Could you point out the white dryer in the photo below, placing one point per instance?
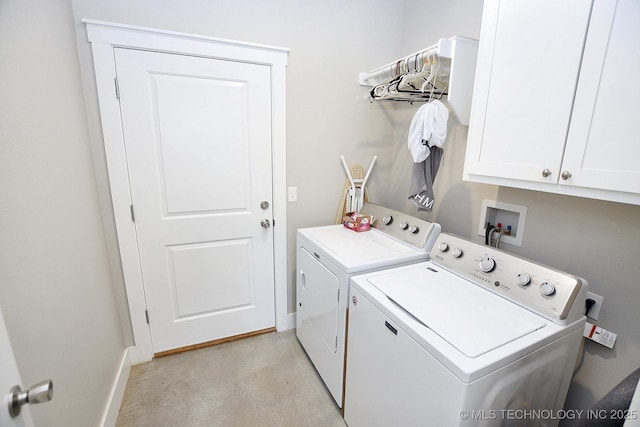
(327, 257)
(475, 336)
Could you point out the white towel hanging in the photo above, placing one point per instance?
(428, 129)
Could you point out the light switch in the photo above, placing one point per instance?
(292, 194)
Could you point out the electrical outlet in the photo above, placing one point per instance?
(595, 309)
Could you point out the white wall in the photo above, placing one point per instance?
(597, 240)
(55, 283)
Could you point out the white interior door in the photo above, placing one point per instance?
(9, 377)
(197, 135)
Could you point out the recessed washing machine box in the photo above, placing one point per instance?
(507, 214)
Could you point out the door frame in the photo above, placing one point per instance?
(104, 37)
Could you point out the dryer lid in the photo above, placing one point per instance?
(473, 320)
(361, 251)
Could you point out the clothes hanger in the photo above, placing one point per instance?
(431, 80)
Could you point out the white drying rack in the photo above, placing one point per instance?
(410, 79)
(355, 194)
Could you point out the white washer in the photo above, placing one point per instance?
(327, 257)
(475, 336)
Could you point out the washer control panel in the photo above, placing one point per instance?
(547, 291)
(416, 232)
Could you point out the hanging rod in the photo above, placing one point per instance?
(406, 79)
(410, 63)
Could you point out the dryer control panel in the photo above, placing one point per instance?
(408, 229)
(554, 294)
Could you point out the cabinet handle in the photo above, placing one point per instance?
(565, 175)
(546, 172)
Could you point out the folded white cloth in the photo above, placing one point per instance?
(428, 129)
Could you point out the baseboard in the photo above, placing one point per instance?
(110, 415)
(290, 322)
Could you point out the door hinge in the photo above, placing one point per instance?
(338, 295)
(115, 80)
(146, 314)
(273, 222)
(133, 215)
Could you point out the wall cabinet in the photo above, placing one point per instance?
(556, 103)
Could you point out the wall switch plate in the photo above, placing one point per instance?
(292, 194)
(595, 309)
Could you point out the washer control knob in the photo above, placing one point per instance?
(414, 229)
(387, 219)
(456, 252)
(443, 247)
(404, 226)
(487, 264)
(523, 279)
(547, 289)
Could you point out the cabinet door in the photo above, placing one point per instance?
(528, 64)
(603, 145)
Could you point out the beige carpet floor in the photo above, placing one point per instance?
(266, 380)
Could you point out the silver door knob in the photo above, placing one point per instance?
(546, 172)
(264, 204)
(265, 223)
(39, 393)
(565, 175)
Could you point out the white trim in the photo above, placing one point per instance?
(567, 190)
(129, 36)
(116, 395)
(104, 32)
(104, 37)
(289, 323)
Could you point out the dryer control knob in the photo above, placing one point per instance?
(487, 264)
(443, 247)
(523, 279)
(414, 229)
(547, 289)
(404, 226)
(456, 252)
(387, 219)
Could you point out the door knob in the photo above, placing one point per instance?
(39, 393)
(546, 172)
(565, 175)
(264, 204)
(265, 223)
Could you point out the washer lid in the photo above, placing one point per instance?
(471, 319)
